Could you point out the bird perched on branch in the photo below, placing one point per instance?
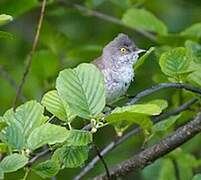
(116, 64)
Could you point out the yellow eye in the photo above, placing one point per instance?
(123, 50)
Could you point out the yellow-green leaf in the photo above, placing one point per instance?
(4, 18)
(137, 114)
(144, 20)
(163, 104)
(193, 31)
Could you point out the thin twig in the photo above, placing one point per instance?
(30, 55)
(102, 160)
(176, 111)
(112, 145)
(158, 87)
(37, 156)
(4, 73)
(108, 18)
(149, 155)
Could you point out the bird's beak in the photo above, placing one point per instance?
(140, 51)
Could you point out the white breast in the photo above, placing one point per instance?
(117, 81)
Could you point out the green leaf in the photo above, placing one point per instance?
(134, 118)
(197, 177)
(83, 89)
(185, 168)
(13, 162)
(1, 173)
(182, 158)
(3, 148)
(3, 125)
(143, 58)
(56, 106)
(4, 19)
(22, 122)
(175, 62)
(152, 171)
(16, 8)
(47, 169)
(146, 109)
(71, 156)
(165, 124)
(6, 35)
(79, 137)
(163, 104)
(195, 49)
(47, 134)
(142, 19)
(193, 31)
(195, 78)
(137, 114)
(167, 170)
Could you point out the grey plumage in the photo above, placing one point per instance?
(116, 64)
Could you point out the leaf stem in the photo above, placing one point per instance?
(69, 125)
(52, 117)
(26, 174)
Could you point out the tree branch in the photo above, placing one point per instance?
(158, 87)
(30, 55)
(107, 18)
(149, 155)
(135, 130)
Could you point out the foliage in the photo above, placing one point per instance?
(69, 92)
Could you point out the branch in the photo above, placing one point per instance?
(4, 73)
(154, 89)
(102, 160)
(107, 18)
(176, 111)
(135, 130)
(149, 155)
(37, 156)
(158, 87)
(30, 55)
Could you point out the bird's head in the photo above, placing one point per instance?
(121, 51)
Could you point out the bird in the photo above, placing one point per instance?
(116, 65)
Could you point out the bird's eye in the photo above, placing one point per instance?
(123, 50)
